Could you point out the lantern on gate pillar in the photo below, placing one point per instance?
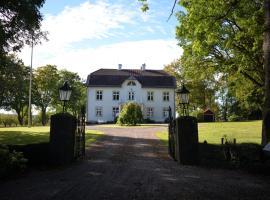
(183, 95)
(64, 94)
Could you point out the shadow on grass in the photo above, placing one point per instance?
(23, 138)
(211, 156)
(90, 138)
(37, 153)
(246, 156)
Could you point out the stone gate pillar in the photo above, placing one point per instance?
(62, 138)
(187, 140)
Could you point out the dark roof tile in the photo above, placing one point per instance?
(115, 78)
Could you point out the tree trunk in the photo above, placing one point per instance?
(20, 118)
(225, 116)
(43, 116)
(266, 50)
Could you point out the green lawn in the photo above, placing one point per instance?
(25, 135)
(244, 132)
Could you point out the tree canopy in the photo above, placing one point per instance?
(226, 36)
(14, 80)
(224, 40)
(20, 21)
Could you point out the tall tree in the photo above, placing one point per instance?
(266, 48)
(20, 21)
(16, 88)
(44, 84)
(229, 36)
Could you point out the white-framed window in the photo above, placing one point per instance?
(131, 83)
(115, 111)
(165, 112)
(98, 111)
(116, 95)
(149, 112)
(131, 95)
(166, 96)
(99, 95)
(150, 96)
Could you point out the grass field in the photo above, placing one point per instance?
(25, 135)
(244, 132)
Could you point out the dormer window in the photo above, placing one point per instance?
(131, 83)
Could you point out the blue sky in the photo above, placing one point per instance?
(87, 35)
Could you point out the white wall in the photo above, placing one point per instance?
(140, 97)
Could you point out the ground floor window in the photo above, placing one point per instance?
(115, 111)
(98, 111)
(165, 112)
(149, 112)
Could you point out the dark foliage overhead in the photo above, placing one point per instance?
(20, 20)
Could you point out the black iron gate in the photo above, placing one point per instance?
(80, 135)
(171, 135)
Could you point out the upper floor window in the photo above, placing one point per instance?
(115, 95)
(166, 96)
(149, 112)
(150, 96)
(131, 83)
(98, 111)
(99, 95)
(131, 95)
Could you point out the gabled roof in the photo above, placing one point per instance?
(208, 112)
(115, 78)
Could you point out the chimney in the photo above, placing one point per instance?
(119, 66)
(143, 66)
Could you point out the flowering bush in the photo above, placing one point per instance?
(131, 114)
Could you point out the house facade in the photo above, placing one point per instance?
(109, 89)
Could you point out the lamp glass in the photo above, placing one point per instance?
(64, 95)
(183, 94)
(65, 92)
(184, 98)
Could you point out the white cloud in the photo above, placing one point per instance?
(98, 21)
(76, 24)
(155, 53)
(86, 21)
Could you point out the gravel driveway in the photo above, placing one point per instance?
(131, 164)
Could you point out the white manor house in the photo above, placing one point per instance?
(109, 89)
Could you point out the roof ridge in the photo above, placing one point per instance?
(129, 72)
